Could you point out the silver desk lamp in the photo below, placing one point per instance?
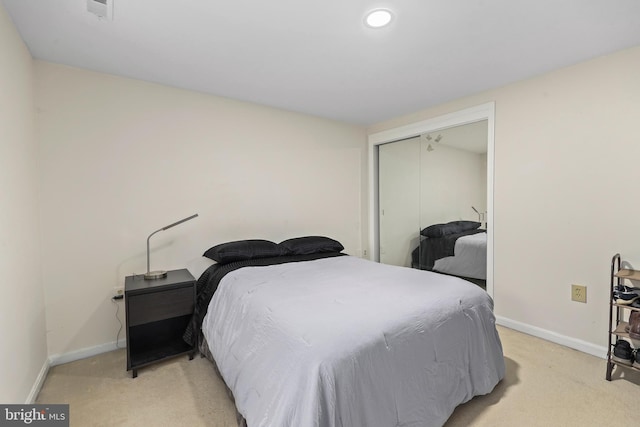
(480, 215)
(159, 274)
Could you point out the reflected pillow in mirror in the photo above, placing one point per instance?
(453, 227)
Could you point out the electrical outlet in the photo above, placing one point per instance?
(118, 291)
(579, 293)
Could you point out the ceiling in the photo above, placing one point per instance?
(317, 56)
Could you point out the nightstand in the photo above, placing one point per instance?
(158, 312)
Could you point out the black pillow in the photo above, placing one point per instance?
(453, 227)
(310, 245)
(242, 250)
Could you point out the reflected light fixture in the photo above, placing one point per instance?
(159, 274)
(378, 18)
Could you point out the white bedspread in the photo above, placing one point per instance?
(349, 342)
(469, 258)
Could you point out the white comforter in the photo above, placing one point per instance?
(349, 342)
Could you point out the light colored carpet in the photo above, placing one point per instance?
(545, 385)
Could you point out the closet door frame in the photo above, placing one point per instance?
(469, 115)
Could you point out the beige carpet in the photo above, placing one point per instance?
(545, 385)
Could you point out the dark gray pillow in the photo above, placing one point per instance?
(242, 250)
(310, 245)
(453, 227)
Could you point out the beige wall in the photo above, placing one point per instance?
(23, 351)
(122, 158)
(566, 177)
(451, 182)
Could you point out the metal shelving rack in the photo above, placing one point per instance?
(617, 311)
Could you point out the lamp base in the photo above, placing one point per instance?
(152, 275)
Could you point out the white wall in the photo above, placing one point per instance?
(121, 158)
(566, 174)
(23, 352)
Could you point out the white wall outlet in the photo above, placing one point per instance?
(118, 290)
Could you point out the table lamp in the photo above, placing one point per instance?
(159, 274)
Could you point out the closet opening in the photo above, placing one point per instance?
(437, 171)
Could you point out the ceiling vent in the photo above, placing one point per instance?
(103, 9)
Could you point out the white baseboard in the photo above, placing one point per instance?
(83, 353)
(59, 359)
(576, 344)
(33, 394)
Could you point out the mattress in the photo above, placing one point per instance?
(347, 342)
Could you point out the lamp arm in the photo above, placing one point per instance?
(162, 229)
(176, 223)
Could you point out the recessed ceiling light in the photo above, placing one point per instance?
(378, 18)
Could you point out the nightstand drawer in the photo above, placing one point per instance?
(160, 305)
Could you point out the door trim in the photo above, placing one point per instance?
(469, 115)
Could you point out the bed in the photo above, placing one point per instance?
(327, 339)
(458, 248)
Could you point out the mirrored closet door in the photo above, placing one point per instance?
(433, 201)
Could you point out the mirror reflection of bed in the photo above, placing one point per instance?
(435, 179)
(457, 248)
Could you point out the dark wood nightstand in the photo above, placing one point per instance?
(158, 312)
